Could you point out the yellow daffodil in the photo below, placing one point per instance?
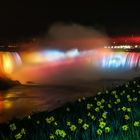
(73, 128)
(109, 106)
(89, 106)
(57, 131)
(85, 126)
(55, 123)
(97, 109)
(29, 117)
(106, 92)
(95, 98)
(99, 103)
(89, 114)
(99, 93)
(52, 137)
(107, 129)
(101, 120)
(115, 103)
(18, 136)
(128, 96)
(129, 99)
(125, 127)
(101, 106)
(102, 124)
(116, 96)
(79, 100)
(135, 99)
(68, 109)
(136, 123)
(12, 127)
(104, 115)
(123, 91)
(124, 108)
(68, 123)
(126, 85)
(93, 117)
(119, 109)
(84, 98)
(61, 133)
(99, 132)
(38, 122)
(102, 100)
(23, 131)
(50, 120)
(118, 100)
(126, 117)
(80, 121)
(128, 109)
(113, 92)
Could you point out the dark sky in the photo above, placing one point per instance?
(19, 21)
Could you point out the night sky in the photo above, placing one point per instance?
(19, 21)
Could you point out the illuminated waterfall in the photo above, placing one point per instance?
(121, 60)
(9, 61)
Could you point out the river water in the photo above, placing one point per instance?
(24, 100)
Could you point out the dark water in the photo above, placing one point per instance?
(23, 100)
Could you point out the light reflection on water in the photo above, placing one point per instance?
(22, 101)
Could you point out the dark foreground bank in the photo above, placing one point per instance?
(6, 83)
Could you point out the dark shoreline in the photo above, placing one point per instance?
(6, 83)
